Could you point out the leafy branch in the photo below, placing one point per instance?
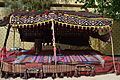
(109, 8)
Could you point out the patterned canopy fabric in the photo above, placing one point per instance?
(69, 23)
(80, 19)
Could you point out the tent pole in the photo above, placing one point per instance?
(54, 46)
(14, 37)
(111, 39)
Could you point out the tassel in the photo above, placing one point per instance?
(70, 26)
(82, 28)
(74, 26)
(62, 24)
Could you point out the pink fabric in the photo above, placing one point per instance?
(108, 58)
(37, 60)
(108, 68)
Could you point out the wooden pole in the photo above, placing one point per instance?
(54, 46)
(111, 39)
(38, 45)
(14, 30)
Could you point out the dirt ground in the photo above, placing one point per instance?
(98, 77)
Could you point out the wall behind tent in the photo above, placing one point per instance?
(116, 36)
(10, 42)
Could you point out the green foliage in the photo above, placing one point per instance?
(28, 4)
(109, 8)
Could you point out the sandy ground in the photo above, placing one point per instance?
(98, 77)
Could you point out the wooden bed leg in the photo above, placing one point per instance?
(118, 69)
(61, 75)
(56, 75)
(1, 74)
(45, 75)
(67, 74)
(38, 45)
(28, 75)
(92, 73)
(25, 75)
(79, 74)
(20, 75)
(76, 73)
(6, 75)
(53, 76)
(36, 75)
(88, 73)
(14, 75)
(70, 74)
(40, 74)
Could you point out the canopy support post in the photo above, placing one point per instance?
(38, 45)
(113, 56)
(14, 30)
(54, 45)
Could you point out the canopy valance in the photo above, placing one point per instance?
(71, 18)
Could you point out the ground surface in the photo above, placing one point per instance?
(98, 77)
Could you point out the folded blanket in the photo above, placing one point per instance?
(99, 57)
(19, 59)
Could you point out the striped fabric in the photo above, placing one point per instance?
(19, 59)
(37, 59)
(27, 59)
(60, 58)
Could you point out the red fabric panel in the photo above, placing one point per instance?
(108, 68)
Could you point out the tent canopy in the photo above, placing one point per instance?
(70, 27)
